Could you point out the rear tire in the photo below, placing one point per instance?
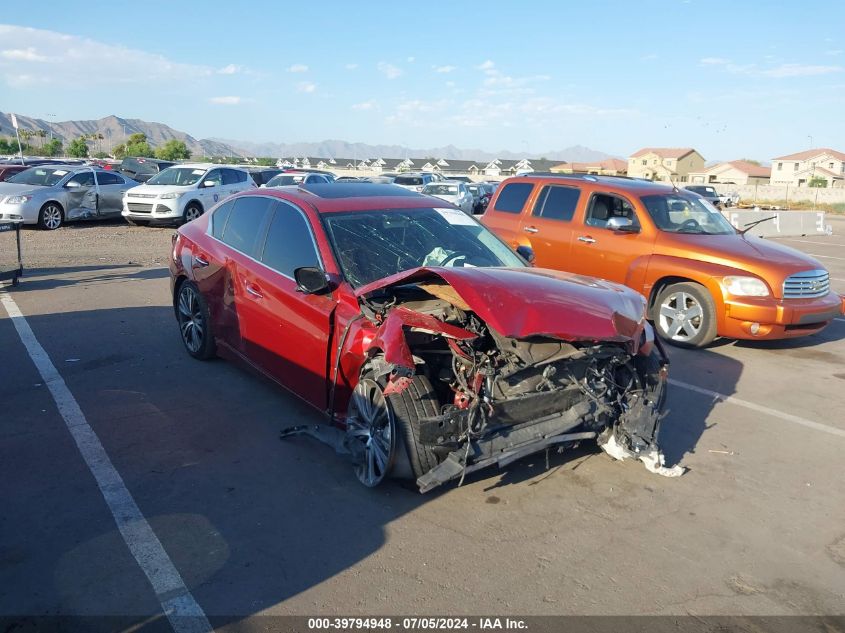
(417, 401)
(685, 315)
(51, 216)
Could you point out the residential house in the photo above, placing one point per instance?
(672, 164)
(799, 169)
(609, 167)
(735, 172)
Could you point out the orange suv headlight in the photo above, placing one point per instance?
(745, 286)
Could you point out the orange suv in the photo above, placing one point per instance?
(701, 276)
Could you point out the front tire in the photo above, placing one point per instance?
(192, 212)
(685, 315)
(416, 402)
(51, 216)
(194, 322)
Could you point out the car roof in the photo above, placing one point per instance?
(623, 183)
(337, 197)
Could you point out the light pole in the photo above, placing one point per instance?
(810, 136)
(51, 117)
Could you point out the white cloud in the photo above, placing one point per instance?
(411, 60)
(350, 66)
(800, 70)
(444, 69)
(28, 54)
(231, 69)
(714, 61)
(366, 105)
(389, 70)
(298, 68)
(306, 86)
(67, 60)
(649, 57)
(231, 100)
(487, 65)
(834, 52)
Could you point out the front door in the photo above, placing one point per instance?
(112, 186)
(607, 253)
(284, 331)
(81, 196)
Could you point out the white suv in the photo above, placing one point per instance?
(183, 192)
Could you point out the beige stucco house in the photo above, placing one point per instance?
(609, 167)
(799, 169)
(737, 172)
(665, 163)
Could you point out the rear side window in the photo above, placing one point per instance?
(289, 244)
(513, 197)
(408, 180)
(233, 176)
(246, 220)
(557, 203)
(219, 217)
(108, 178)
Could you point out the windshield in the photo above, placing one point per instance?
(408, 180)
(441, 190)
(178, 176)
(285, 179)
(679, 213)
(39, 176)
(370, 245)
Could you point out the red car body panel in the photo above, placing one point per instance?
(315, 345)
(550, 303)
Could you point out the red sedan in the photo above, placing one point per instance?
(433, 349)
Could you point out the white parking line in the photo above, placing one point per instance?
(179, 606)
(825, 256)
(760, 408)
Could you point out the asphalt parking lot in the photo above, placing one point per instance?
(253, 526)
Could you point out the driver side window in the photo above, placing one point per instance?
(605, 206)
(214, 176)
(84, 179)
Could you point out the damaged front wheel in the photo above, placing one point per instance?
(371, 433)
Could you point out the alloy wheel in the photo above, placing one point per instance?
(681, 316)
(192, 213)
(52, 217)
(370, 422)
(191, 321)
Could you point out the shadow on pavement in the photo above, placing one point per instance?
(40, 278)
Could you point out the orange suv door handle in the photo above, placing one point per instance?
(531, 229)
(587, 239)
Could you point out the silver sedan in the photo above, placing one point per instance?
(50, 195)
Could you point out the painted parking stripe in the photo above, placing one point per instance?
(825, 256)
(789, 239)
(760, 408)
(182, 610)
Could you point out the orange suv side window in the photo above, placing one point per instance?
(605, 206)
(513, 196)
(557, 203)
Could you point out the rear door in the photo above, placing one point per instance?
(111, 187)
(284, 331)
(503, 216)
(211, 189)
(549, 225)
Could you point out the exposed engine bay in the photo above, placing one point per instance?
(461, 396)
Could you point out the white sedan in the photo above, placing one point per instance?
(451, 191)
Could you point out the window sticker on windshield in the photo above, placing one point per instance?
(198, 172)
(456, 216)
(59, 172)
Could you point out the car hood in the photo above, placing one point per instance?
(550, 303)
(15, 189)
(157, 190)
(771, 260)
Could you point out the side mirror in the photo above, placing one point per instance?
(72, 184)
(209, 183)
(618, 223)
(526, 252)
(310, 280)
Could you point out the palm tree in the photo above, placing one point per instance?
(42, 134)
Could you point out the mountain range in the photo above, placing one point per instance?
(116, 130)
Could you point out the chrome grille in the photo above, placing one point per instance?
(806, 285)
(137, 207)
(141, 195)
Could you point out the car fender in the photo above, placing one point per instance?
(663, 267)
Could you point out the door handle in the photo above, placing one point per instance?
(587, 239)
(254, 291)
(531, 229)
(199, 261)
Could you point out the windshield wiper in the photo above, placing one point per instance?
(751, 225)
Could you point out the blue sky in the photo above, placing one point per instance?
(732, 79)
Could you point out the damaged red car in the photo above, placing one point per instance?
(431, 347)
